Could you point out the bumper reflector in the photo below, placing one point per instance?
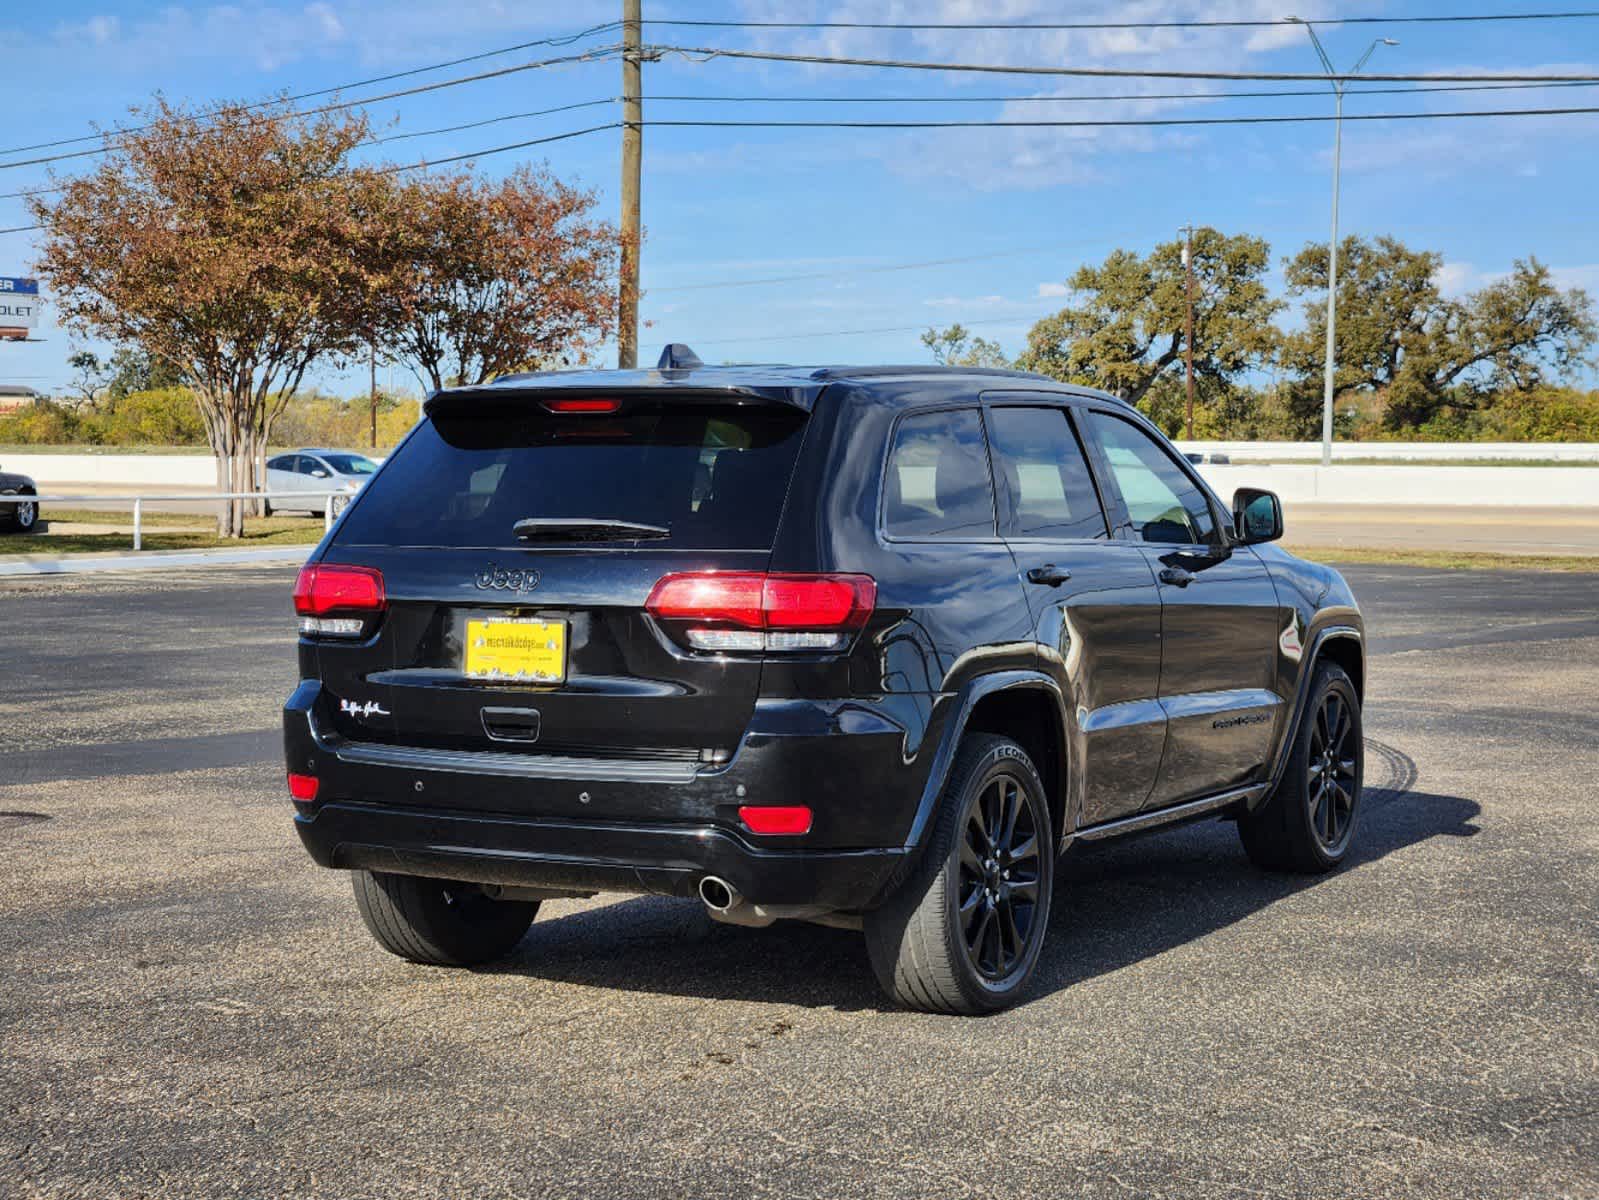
(303, 787)
(776, 819)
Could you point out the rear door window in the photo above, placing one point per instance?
(716, 478)
(937, 484)
(1045, 487)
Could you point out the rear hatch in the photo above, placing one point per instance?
(518, 541)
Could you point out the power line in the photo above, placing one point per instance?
(706, 53)
(1085, 96)
(439, 162)
(560, 40)
(455, 158)
(398, 137)
(1046, 26)
(541, 112)
(1298, 119)
(588, 56)
(1090, 96)
(1084, 124)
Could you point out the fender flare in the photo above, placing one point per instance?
(966, 700)
(1307, 673)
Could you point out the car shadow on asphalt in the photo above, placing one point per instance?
(1115, 904)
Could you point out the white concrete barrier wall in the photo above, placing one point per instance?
(1487, 486)
(1440, 451)
(1509, 485)
(61, 472)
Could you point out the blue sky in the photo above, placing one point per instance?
(1021, 208)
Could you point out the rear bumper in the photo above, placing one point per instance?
(568, 856)
(574, 824)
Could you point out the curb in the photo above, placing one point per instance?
(150, 560)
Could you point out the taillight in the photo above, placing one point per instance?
(336, 601)
(597, 404)
(746, 610)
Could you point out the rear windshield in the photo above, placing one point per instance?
(716, 478)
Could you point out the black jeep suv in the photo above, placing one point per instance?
(866, 646)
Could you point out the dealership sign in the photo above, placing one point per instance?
(19, 306)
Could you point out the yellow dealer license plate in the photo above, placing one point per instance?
(516, 651)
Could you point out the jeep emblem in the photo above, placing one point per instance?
(499, 579)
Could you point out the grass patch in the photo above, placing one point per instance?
(263, 531)
(1463, 560)
(122, 518)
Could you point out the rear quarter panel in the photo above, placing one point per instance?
(947, 612)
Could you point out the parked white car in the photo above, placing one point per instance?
(314, 470)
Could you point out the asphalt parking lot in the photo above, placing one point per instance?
(189, 1008)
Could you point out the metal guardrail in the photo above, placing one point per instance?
(138, 498)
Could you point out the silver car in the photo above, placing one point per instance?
(313, 470)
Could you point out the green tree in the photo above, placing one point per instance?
(474, 278)
(957, 347)
(1125, 328)
(1400, 337)
(88, 376)
(132, 369)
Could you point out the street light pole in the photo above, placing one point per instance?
(1330, 360)
(1331, 364)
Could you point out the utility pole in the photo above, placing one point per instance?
(1188, 338)
(1330, 365)
(632, 158)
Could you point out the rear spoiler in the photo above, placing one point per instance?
(515, 396)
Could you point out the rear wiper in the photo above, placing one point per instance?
(584, 529)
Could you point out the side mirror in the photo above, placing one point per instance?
(319, 474)
(1257, 516)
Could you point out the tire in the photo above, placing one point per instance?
(24, 515)
(918, 940)
(1304, 826)
(439, 922)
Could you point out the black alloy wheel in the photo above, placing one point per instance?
(1309, 821)
(998, 877)
(964, 933)
(1331, 779)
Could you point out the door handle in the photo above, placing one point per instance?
(1048, 574)
(1176, 576)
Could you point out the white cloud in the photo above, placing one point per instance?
(1585, 277)
(1458, 278)
(96, 31)
(966, 301)
(1050, 289)
(274, 35)
(324, 18)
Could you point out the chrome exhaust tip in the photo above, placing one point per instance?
(718, 895)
